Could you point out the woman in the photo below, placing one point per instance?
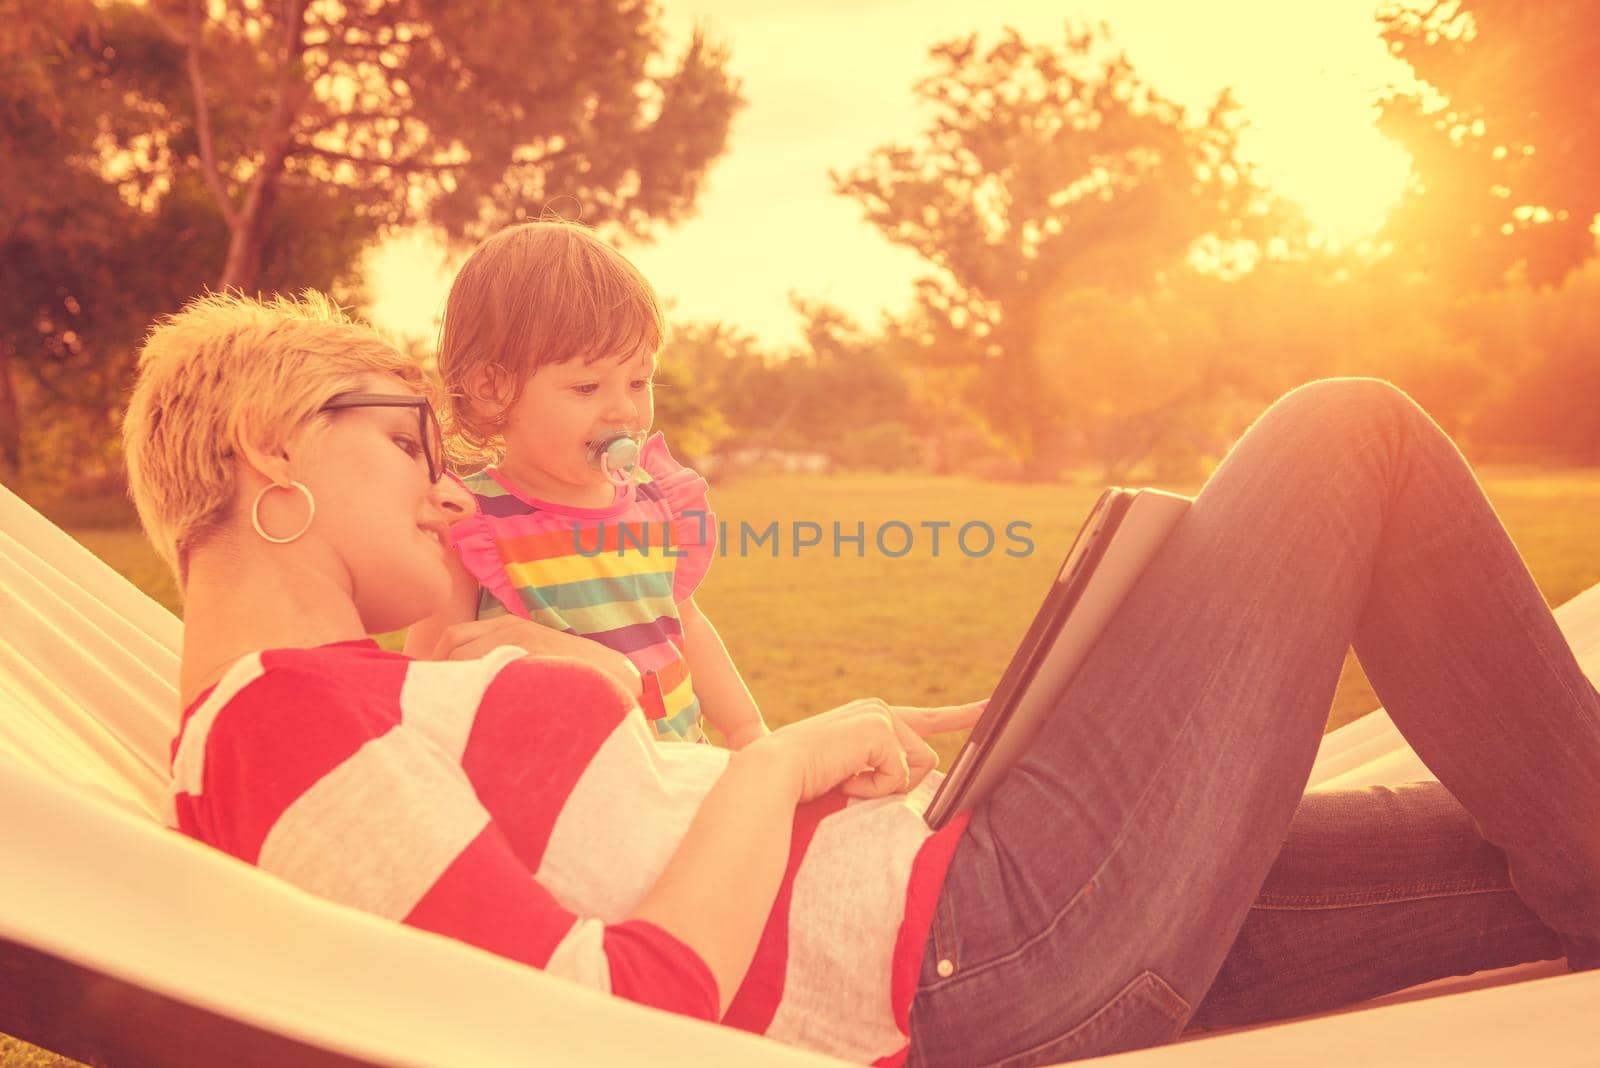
(1152, 863)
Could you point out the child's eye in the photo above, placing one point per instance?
(409, 445)
(586, 388)
(641, 383)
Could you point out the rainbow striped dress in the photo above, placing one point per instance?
(613, 574)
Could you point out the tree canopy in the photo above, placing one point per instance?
(1045, 170)
(154, 149)
(1502, 137)
(463, 115)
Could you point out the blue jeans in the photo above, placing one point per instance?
(1155, 861)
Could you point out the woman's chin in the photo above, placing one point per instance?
(428, 593)
(430, 597)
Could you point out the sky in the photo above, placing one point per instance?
(827, 81)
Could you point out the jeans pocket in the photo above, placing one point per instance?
(1145, 1012)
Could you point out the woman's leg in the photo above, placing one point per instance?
(1094, 897)
(1374, 890)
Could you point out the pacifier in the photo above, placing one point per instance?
(615, 455)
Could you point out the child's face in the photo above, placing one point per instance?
(566, 406)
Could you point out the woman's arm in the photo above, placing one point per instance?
(434, 857)
(724, 698)
(716, 892)
(435, 854)
(455, 633)
(469, 641)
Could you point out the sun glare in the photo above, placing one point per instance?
(1307, 77)
(768, 224)
(407, 278)
(1342, 173)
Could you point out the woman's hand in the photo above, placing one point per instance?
(865, 748)
(926, 721)
(470, 640)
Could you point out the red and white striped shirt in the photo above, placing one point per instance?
(522, 805)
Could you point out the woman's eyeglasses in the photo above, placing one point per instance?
(428, 432)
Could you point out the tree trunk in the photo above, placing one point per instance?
(248, 227)
(10, 419)
(249, 232)
(1047, 451)
(247, 241)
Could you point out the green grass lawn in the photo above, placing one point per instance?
(813, 630)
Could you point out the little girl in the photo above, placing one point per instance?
(548, 355)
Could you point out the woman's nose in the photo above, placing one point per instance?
(452, 497)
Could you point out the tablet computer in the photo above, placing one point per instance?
(1110, 552)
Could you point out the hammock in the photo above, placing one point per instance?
(124, 941)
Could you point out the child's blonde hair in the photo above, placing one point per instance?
(224, 370)
(535, 294)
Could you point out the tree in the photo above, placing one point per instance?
(841, 387)
(1042, 171)
(844, 379)
(89, 252)
(462, 115)
(715, 381)
(1541, 346)
(72, 282)
(140, 169)
(696, 360)
(1502, 137)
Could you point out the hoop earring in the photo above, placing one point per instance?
(255, 512)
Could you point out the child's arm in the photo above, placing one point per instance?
(461, 606)
(724, 698)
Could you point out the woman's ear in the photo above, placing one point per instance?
(270, 462)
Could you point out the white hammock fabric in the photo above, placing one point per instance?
(91, 879)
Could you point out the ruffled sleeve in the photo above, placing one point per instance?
(474, 542)
(694, 524)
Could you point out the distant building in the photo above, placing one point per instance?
(735, 458)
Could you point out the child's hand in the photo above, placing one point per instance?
(474, 638)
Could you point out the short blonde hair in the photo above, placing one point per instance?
(534, 294)
(224, 370)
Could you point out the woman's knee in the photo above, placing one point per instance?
(1349, 393)
(1351, 409)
